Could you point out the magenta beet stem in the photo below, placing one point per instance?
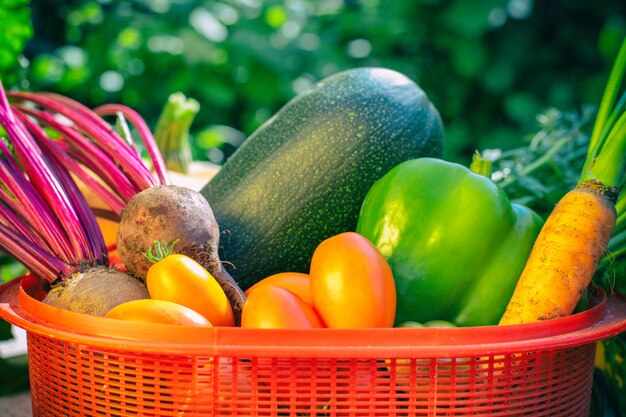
(148, 139)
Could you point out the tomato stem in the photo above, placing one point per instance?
(161, 250)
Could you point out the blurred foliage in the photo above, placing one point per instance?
(16, 31)
(14, 374)
(13, 370)
(488, 65)
(9, 269)
(548, 165)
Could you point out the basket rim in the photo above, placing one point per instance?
(19, 305)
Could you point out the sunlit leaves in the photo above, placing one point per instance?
(15, 31)
(276, 16)
(488, 65)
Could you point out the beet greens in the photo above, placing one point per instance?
(46, 223)
(148, 207)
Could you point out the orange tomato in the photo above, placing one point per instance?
(274, 307)
(352, 283)
(157, 311)
(115, 262)
(182, 280)
(108, 229)
(297, 283)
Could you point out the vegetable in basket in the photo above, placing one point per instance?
(150, 208)
(171, 134)
(179, 279)
(296, 282)
(275, 307)
(576, 234)
(352, 284)
(455, 243)
(157, 311)
(538, 174)
(46, 224)
(172, 131)
(302, 176)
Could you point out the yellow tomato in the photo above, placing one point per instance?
(180, 279)
(157, 311)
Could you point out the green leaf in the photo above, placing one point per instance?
(13, 374)
(5, 330)
(9, 269)
(16, 31)
(605, 160)
(471, 18)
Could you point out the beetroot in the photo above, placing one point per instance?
(46, 224)
(149, 207)
(95, 291)
(168, 213)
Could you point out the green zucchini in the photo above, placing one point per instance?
(303, 175)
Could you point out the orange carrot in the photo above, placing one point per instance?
(564, 257)
(576, 234)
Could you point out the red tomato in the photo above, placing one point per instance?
(297, 283)
(182, 280)
(274, 307)
(352, 284)
(157, 311)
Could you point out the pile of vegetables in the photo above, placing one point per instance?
(338, 212)
(302, 176)
(149, 208)
(152, 212)
(353, 160)
(48, 225)
(350, 285)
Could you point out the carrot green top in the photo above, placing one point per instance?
(606, 158)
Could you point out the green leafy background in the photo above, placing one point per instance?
(15, 31)
(488, 65)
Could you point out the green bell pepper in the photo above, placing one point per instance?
(455, 243)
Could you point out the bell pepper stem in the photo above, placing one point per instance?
(480, 165)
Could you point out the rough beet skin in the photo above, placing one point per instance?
(167, 213)
(95, 291)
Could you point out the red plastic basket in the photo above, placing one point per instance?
(87, 366)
